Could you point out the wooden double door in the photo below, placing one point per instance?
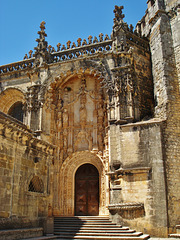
(87, 191)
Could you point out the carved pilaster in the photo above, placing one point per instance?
(33, 107)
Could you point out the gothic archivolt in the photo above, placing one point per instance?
(66, 189)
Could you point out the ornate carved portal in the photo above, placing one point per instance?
(66, 194)
(78, 123)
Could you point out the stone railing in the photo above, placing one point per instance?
(82, 51)
(21, 65)
(74, 51)
(62, 55)
(134, 38)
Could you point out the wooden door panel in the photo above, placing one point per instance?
(87, 190)
(93, 197)
(81, 197)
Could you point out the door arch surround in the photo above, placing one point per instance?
(65, 204)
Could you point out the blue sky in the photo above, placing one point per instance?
(65, 20)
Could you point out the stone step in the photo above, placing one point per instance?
(174, 235)
(142, 237)
(49, 237)
(93, 228)
(88, 225)
(92, 234)
(83, 222)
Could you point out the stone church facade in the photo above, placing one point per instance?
(93, 127)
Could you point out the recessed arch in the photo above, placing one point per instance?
(66, 205)
(16, 111)
(9, 97)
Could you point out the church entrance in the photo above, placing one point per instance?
(87, 191)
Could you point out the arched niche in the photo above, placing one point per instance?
(9, 97)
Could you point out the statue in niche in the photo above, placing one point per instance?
(81, 143)
(129, 89)
(65, 118)
(100, 112)
(100, 142)
(82, 110)
(90, 141)
(65, 145)
(83, 113)
(59, 120)
(49, 210)
(66, 96)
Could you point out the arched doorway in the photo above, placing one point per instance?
(87, 190)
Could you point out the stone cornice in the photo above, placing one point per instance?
(157, 15)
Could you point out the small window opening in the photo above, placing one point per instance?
(16, 111)
(36, 185)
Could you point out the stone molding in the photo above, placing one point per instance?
(125, 206)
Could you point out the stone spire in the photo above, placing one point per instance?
(119, 30)
(41, 53)
(118, 15)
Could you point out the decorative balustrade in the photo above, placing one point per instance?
(21, 65)
(83, 48)
(140, 41)
(82, 51)
(62, 55)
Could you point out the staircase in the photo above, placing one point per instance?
(100, 228)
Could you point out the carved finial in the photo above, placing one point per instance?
(101, 37)
(41, 54)
(90, 39)
(49, 48)
(63, 47)
(84, 42)
(58, 47)
(106, 37)
(131, 28)
(30, 53)
(79, 42)
(68, 44)
(95, 40)
(118, 14)
(42, 27)
(73, 45)
(26, 56)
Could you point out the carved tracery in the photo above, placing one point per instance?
(79, 114)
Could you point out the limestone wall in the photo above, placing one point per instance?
(138, 192)
(162, 19)
(22, 159)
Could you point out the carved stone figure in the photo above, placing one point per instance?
(65, 118)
